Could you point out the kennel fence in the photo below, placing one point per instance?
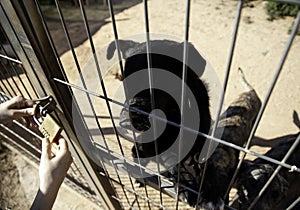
(29, 64)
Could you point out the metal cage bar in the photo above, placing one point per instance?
(266, 100)
(221, 141)
(151, 82)
(183, 88)
(294, 204)
(103, 87)
(39, 42)
(228, 68)
(33, 25)
(288, 154)
(115, 31)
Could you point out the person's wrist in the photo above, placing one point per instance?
(44, 199)
(49, 186)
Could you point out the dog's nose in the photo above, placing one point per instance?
(125, 119)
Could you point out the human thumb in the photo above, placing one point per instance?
(46, 148)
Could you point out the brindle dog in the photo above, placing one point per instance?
(284, 189)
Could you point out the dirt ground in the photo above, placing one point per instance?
(259, 48)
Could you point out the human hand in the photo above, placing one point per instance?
(52, 172)
(53, 169)
(16, 108)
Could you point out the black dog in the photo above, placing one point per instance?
(235, 123)
(165, 56)
(283, 190)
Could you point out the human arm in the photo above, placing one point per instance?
(52, 172)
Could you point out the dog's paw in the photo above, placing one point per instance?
(188, 197)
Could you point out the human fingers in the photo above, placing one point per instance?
(26, 112)
(46, 148)
(63, 145)
(64, 152)
(15, 102)
(19, 102)
(28, 103)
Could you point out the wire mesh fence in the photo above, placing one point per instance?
(109, 165)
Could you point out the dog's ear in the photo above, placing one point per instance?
(195, 60)
(124, 46)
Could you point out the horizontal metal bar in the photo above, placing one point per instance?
(20, 43)
(268, 95)
(224, 142)
(288, 154)
(20, 140)
(146, 198)
(10, 59)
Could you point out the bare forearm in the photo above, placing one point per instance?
(44, 200)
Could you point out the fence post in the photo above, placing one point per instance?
(42, 62)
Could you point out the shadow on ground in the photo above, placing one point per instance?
(97, 15)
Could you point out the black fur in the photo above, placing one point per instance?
(282, 191)
(236, 122)
(166, 55)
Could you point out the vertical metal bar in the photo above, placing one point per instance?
(60, 66)
(281, 63)
(7, 90)
(14, 69)
(113, 20)
(10, 86)
(51, 42)
(11, 77)
(1, 94)
(75, 60)
(102, 84)
(150, 75)
(111, 12)
(228, 67)
(17, 37)
(79, 71)
(21, 81)
(42, 48)
(264, 104)
(225, 142)
(288, 154)
(183, 90)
